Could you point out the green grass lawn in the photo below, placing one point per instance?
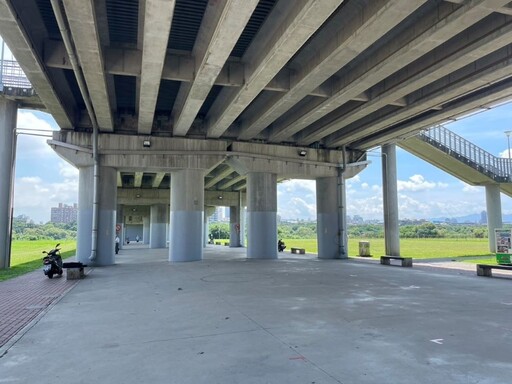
(416, 248)
(26, 256)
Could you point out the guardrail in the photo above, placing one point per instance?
(496, 167)
(11, 75)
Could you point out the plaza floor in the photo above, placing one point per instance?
(227, 319)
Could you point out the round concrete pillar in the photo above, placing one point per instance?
(8, 115)
(157, 236)
(494, 219)
(390, 200)
(327, 218)
(187, 204)
(208, 211)
(146, 229)
(120, 223)
(262, 215)
(107, 190)
(234, 227)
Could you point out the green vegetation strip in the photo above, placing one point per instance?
(416, 248)
(26, 256)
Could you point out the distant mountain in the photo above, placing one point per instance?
(473, 219)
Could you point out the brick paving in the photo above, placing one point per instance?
(23, 298)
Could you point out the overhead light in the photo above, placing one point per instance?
(137, 195)
(303, 152)
(220, 197)
(146, 143)
(134, 209)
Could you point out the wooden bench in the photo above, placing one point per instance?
(217, 243)
(74, 270)
(406, 261)
(226, 243)
(301, 251)
(486, 269)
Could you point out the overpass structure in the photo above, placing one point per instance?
(188, 102)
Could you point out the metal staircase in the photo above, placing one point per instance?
(461, 158)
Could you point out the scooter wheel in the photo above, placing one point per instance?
(50, 275)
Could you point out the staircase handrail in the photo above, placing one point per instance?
(498, 166)
(12, 75)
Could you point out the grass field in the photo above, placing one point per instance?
(416, 248)
(26, 256)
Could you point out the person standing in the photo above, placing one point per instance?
(117, 244)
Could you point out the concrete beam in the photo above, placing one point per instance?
(229, 183)
(126, 152)
(22, 48)
(218, 177)
(158, 179)
(491, 94)
(177, 67)
(137, 180)
(287, 28)
(222, 198)
(138, 197)
(431, 69)
(222, 25)
(357, 29)
(84, 29)
(104, 35)
(446, 22)
(157, 26)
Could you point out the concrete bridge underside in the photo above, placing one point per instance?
(211, 96)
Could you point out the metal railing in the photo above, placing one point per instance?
(496, 167)
(11, 75)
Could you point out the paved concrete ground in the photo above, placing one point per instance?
(294, 320)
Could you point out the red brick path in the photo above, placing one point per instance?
(25, 297)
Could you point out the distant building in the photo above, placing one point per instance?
(64, 213)
(483, 217)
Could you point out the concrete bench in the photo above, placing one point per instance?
(301, 251)
(405, 261)
(486, 269)
(74, 270)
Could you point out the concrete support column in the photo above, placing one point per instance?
(120, 222)
(208, 211)
(234, 226)
(146, 229)
(390, 200)
(206, 230)
(262, 215)
(106, 216)
(8, 115)
(494, 219)
(330, 207)
(242, 221)
(187, 204)
(157, 236)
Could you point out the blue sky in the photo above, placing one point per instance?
(43, 179)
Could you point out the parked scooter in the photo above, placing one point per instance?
(281, 246)
(52, 262)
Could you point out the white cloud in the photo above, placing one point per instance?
(68, 171)
(29, 146)
(504, 154)
(418, 183)
(466, 188)
(43, 179)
